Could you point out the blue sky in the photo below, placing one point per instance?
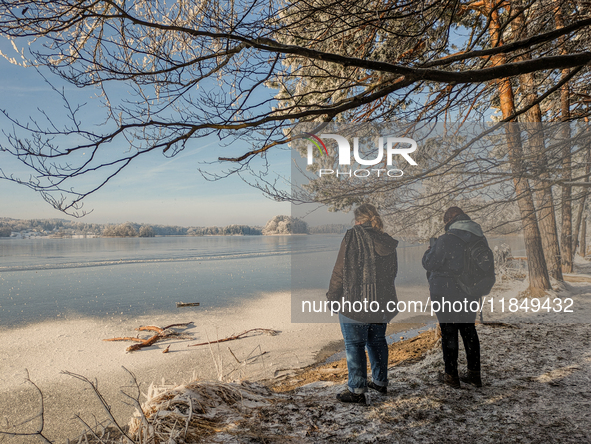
(155, 190)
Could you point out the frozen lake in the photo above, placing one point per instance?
(48, 279)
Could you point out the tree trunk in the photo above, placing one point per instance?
(566, 234)
(582, 199)
(544, 199)
(539, 279)
(578, 222)
(542, 188)
(583, 250)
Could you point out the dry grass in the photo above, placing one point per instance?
(196, 411)
(406, 351)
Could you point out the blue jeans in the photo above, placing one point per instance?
(357, 337)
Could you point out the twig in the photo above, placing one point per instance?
(40, 415)
(135, 400)
(232, 353)
(248, 358)
(102, 400)
(219, 367)
(89, 429)
(124, 338)
(161, 329)
(189, 417)
(238, 336)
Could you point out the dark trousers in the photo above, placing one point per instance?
(450, 346)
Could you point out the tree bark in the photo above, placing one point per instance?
(542, 188)
(583, 250)
(582, 199)
(566, 234)
(539, 279)
(543, 196)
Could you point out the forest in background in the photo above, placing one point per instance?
(63, 228)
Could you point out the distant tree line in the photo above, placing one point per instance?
(8, 225)
(5, 231)
(329, 229)
(127, 229)
(230, 230)
(277, 225)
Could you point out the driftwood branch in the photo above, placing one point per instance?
(124, 338)
(161, 333)
(238, 336)
(161, 329)
(146, 343)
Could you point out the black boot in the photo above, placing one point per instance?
(383, 389)
(349, 396)
(472, 377)
(449, 380)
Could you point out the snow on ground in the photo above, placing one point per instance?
(537, 389)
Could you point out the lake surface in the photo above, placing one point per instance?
(52, 279)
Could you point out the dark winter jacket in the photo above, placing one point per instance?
(444, 261)
(365, 268)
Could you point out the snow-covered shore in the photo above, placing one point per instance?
(537, 388)
(536, 373)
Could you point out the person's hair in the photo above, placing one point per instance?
(368, 213)
(451, 214)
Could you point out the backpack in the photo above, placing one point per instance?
(478, 275)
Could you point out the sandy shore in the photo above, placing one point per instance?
(77, 346)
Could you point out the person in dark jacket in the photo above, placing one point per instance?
(444, 262)
(363, 283)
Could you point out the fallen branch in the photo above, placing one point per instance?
(146, 343)
(124, 338)
(187, 304)
(238, 336)
(161, 329)
(161, 333)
